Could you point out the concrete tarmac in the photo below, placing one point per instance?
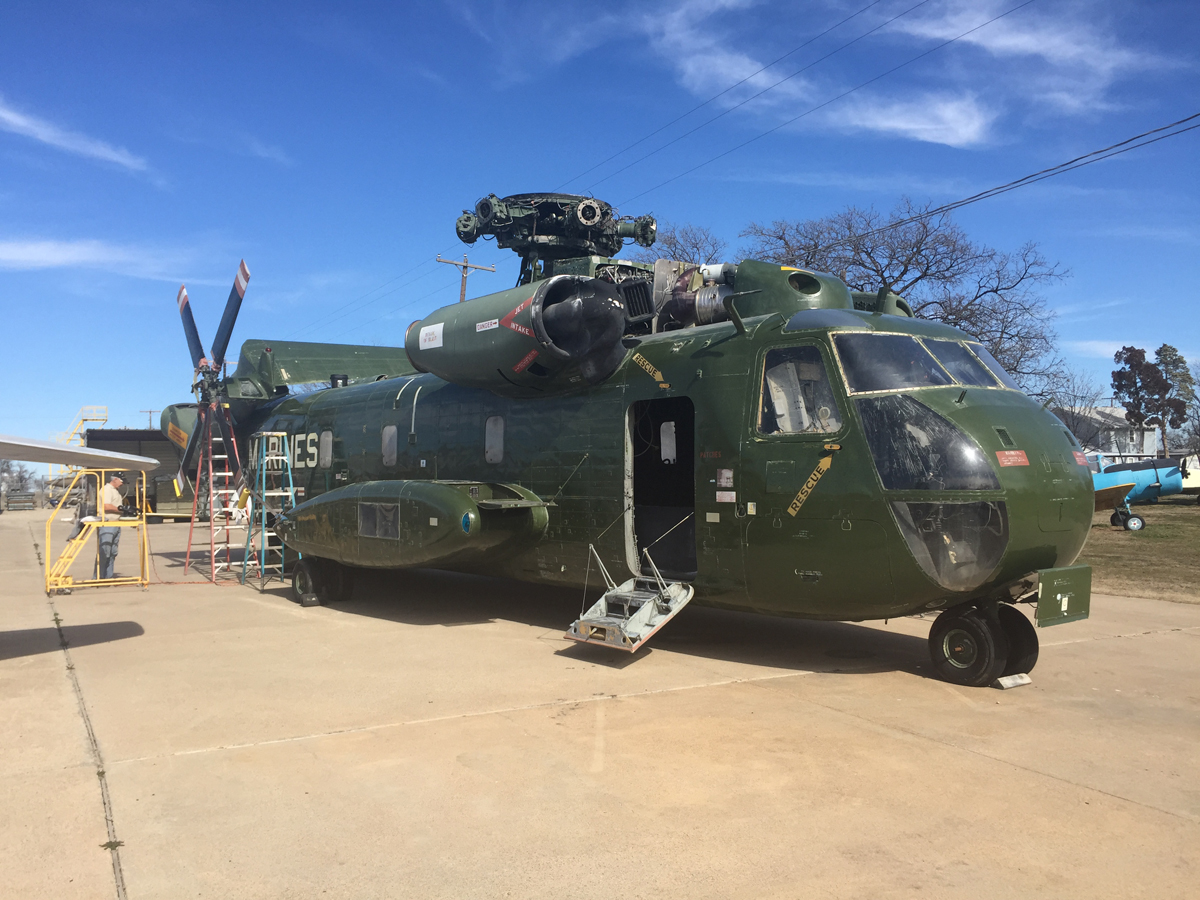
(435, 737)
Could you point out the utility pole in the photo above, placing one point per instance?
(466, 270)
(149, 420)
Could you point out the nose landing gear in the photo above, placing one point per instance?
(974, 646)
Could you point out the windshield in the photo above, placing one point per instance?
(887, 362)
(995, 367)
(796, 397)
(960, 363)
(915, 449)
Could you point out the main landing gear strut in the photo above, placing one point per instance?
(975, 645)
(1124, 517)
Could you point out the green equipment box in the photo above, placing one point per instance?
(1064, 595)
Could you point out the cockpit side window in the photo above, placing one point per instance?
(995, 367)
(887, 362)
(961, 363)
(796, 394)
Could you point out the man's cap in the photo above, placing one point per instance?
(120, 475)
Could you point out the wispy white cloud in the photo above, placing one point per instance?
(125, 259)
(1077, 60)
(1148, 231)
(30, 126)
(271, 152)
(525, 39)
(957, 121)
(891, 184)
(1095, 349)
(704, 60)
(1064, 58)
(1083, 312)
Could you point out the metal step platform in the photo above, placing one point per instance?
(629, 614)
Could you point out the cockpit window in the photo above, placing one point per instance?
(960, 363)
(796, 396)
(887, 362)
(915, 449)
(995, 367)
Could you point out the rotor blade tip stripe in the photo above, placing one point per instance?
(243, 276)
(181, 298)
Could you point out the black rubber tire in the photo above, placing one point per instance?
(1022, 640)
(1134, 523)
(306, 579)
(339, 582)
(967, 648)
(1115, 520)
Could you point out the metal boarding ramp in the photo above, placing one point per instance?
(629, 614)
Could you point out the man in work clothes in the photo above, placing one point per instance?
(109, 537)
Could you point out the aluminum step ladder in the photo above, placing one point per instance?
(272, 494)
(629, 614)
(215, 488)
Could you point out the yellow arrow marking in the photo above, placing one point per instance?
(649, 367)
(818, 473)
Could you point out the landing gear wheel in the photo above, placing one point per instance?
(1115, 520)
(339, 582)
(307, 587)
(1022, 640)
(968, 647)
(1134, 523)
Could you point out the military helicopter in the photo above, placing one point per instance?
(755, 436)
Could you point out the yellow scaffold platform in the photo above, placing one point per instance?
(91, 483)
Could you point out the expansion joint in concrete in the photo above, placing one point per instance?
(113, 844)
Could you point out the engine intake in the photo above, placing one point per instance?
(553, 337)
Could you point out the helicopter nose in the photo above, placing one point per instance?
(1044, 475)
(978, 488)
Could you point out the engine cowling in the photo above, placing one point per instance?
(549, 338)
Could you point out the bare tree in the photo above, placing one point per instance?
(1076, 396)
(942, 274)
(686, 243)
(16, 476)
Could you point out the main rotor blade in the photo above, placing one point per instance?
(232, 305)
(181, 477)
(189, 329)
(32, 450)
(231, 451)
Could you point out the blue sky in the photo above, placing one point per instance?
(147, 144)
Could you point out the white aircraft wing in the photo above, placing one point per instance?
(29, 450)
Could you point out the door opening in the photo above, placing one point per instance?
(662, 442)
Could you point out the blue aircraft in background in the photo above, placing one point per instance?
(1123, 484)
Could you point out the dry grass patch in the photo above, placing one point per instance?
(1160, 562)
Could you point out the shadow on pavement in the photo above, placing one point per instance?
(32, 641)
(430, 597)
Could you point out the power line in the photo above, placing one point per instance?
(736, 106)
(720, 94)
(347, 308)
(814, 109)
(436, 290)
(1078, 162)
(1132, 143)
(333, 316)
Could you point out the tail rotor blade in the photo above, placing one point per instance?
(189, 329)
(232, 305)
